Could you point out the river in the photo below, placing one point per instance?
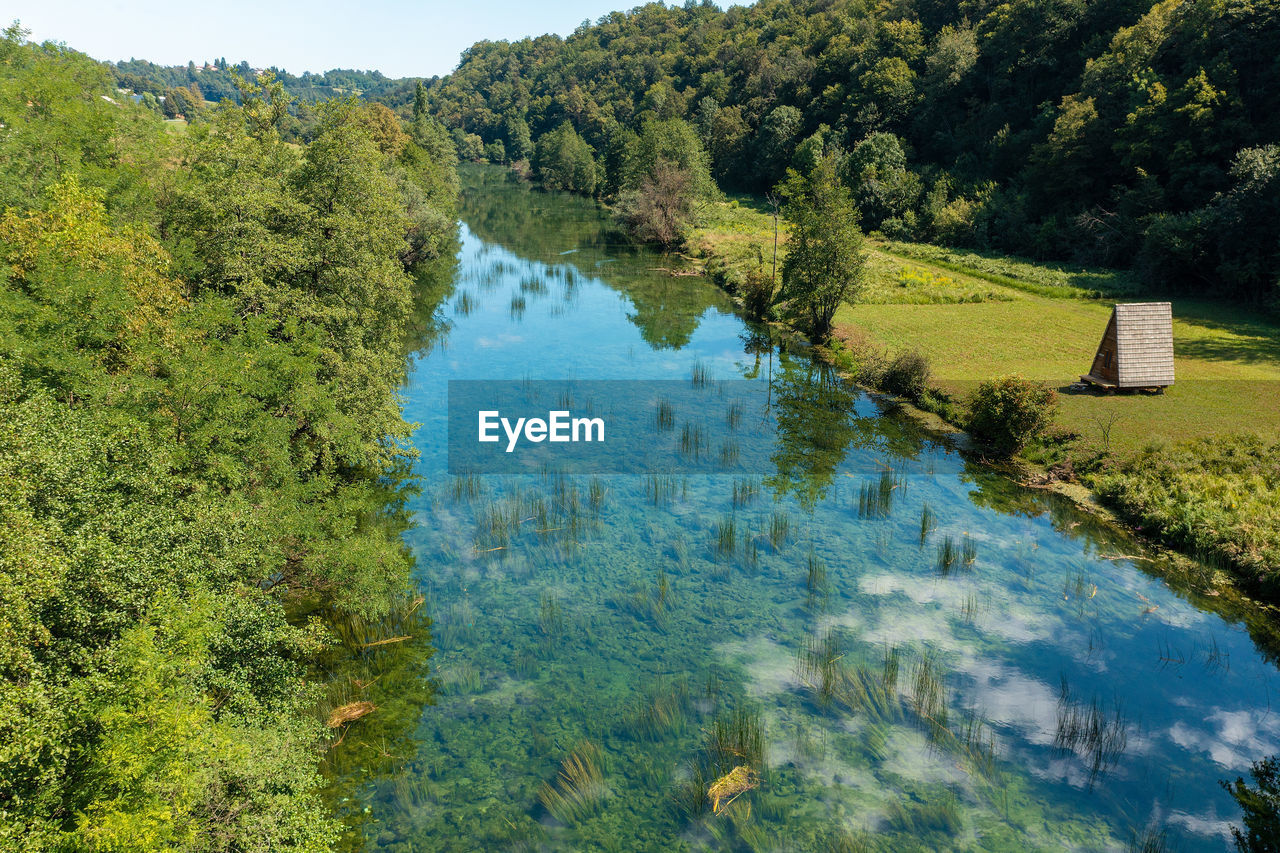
(906, 651)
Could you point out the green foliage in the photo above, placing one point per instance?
(564, 161)
(1101, 133)
(825, 263)
(1260, 803)
(1218, 497)
(1007, 412)
(201, 450)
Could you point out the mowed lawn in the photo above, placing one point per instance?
(976, 326)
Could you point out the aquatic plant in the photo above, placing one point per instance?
(815, 577)
(729, 453)
(595, 495)
(665, 418)
(551, 621)
(726, 534)
(660, 489)
(927, 522)
(663, 710)
(733, 415)
(1096, 734)
(466, 487)
(750, 551)
(518, 306)
(745, 490)
(843, 841)
(736, 738)
(693, 442)
(875, 500)
(1151, 839)
(464, 304)
(579, 788)
(948, 555)
(936, 814)
(700, 374)
(779, 529)
(968, 551)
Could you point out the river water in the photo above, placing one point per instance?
(902, 649)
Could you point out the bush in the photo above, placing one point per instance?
(757, 294)
(907, 375)
(1006, 413)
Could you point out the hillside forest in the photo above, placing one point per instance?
(201, 450)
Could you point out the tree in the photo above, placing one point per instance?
(825, 265)
(1260, 803)
(419, 101)
(659, 210)
(564, 161)
(1007, 412)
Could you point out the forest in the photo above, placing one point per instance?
(201, 447)
(1116, 133)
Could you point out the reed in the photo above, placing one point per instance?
(815, 575)
(948, 555)
(843, 841)
(733, 415)
(729, 453)
(1152, 839)
(665, 417)
(968, 551)
(579, 789)
(726, 533)
(736, 739)
(663, 711)
(464, 304)
(518, 306)
(750, 551)
(533, 285)
(1096, 734)
(700, 374)
(927, 522)
(693, 441)
(466, 487)
(745, 490)
(875, 500)
(596, 493)
(551, 621)
(661, 489)
(779, 529)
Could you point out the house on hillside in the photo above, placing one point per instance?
(1136, 349)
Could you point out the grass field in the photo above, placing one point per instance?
(978, 316)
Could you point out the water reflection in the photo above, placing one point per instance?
(691, 662)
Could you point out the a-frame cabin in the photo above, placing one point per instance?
(1136, 349)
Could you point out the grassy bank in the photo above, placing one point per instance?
(1171, 463)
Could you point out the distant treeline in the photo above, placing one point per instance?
(201, 451)
(1118, 132)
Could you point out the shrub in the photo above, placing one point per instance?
(907, 375)
(1006, 413)
(757, 294)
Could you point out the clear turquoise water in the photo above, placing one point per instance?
(622, 622)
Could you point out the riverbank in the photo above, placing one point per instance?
(1190, 468)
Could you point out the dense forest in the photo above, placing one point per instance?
(1116, 132)
(201, 448)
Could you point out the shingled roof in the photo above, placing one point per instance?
(1136, 349)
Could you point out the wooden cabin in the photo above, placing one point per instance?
(1136, 349)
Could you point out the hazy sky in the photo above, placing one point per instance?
(401, 38)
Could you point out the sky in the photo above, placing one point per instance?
(400, 38)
